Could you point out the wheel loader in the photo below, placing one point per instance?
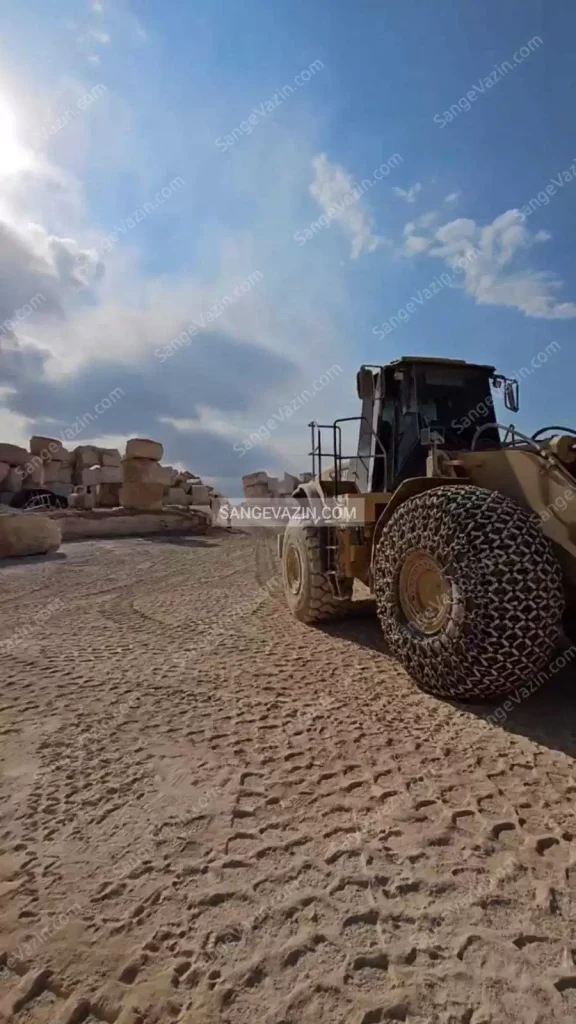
(464, 528)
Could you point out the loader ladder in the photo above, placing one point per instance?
(330, 548)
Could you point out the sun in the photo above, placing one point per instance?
(13, 156)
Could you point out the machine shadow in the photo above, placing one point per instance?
(547, 716)
(52, 556)
(182, 541)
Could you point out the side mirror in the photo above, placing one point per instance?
(511, 396)
(511, 391)
(365, 383)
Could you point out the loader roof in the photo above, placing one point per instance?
(406, 360)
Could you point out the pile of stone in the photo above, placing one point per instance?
(97, 477)
(260, 485)
(13, 469)
(187, 489)
(92, 477)
(136, 481)
(50, 464)
(144, 480)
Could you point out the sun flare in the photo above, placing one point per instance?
(13, 156)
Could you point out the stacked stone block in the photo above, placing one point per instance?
(144, 479)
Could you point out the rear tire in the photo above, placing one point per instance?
(469, 592)
(307, 588)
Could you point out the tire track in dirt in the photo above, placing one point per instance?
(258, 820)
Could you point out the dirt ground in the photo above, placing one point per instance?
(212, 813)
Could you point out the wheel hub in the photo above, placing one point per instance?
(293, 568)
(424, 592)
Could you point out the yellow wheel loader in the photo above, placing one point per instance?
(463, 529)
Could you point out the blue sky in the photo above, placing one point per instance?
(138, 199)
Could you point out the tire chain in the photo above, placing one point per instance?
(508, 591)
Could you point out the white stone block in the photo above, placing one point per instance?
(111, 475)
(90, 477)
(144, 471)
(85, 456)
(49, 448)
(110, 457)
(14, 481)
(199, 494)
(139, 495)
(14, 455)
(51, 472)
(143, 448)
(28, 534)
(177, 496)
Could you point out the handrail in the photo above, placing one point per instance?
(316, 429)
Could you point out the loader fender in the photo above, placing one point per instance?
(311, 490)
(408, 489)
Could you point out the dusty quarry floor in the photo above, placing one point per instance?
(211, 813)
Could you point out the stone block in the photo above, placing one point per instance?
(34, 477)
(51, 473)
(48, 448)
(143, 448)
(4, 470)
(13, 454)
(82, 501)
(110, 457)
(176, 496)
(200, 495)
(64, 490)
(289, 484)
(258, 490)
(141, 495)
(144, 471)
(28, 534)
(14, 481)
(108, 495)
(111, 474)
(85, 456)
(259, 477)
(90, 477)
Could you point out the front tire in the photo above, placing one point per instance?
(307, 588)
(469, 592)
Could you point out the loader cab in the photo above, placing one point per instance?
(412, 394)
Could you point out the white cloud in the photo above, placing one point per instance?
(416, 244)
(97, 7)
(94, 58)
(100, 37)
(13, 425)
(408, 194)
(334, 190)
(35, 265)
(427, 219)
(494, 276)
(452, 197)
